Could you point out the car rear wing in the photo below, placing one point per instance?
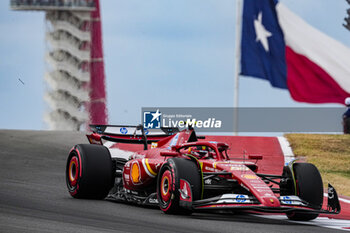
(128, 134)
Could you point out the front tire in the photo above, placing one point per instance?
(309, 188)
(89, 171)
(168, 184)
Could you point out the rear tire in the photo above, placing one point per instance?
(168, 184)
(309, 188)
(89, 171)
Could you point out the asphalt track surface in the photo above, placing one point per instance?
(34, 197)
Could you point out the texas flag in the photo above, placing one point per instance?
(279, 46)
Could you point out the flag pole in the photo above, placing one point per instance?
(239, 4)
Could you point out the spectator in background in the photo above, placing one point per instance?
(346, 117)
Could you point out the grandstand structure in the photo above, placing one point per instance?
(75, 68)
(346, 23)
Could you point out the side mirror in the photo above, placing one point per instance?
(169, 153)
(256, 157)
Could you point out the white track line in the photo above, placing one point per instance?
(286, 149)
(339, 224)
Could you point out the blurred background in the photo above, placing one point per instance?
(156, 53)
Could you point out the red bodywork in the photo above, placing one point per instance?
(143, 166)
(150, 161)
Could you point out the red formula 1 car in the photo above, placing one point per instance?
(182, 173)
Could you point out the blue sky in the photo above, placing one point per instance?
(157, 53)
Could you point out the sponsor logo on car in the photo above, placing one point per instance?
(154, 145)
(123, 130)
(286, 200)
(291, 200)
(146, 131)
(153, 201)
(249, 176)
(239, 168)
(234, 198)
(241, 198)
(207, 181)
(209, 168)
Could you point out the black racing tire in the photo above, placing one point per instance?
(89, 171)
(169, 181)
(309, 188)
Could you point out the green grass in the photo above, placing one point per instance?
(330, 154)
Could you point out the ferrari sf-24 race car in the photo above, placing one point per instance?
(182, 173)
